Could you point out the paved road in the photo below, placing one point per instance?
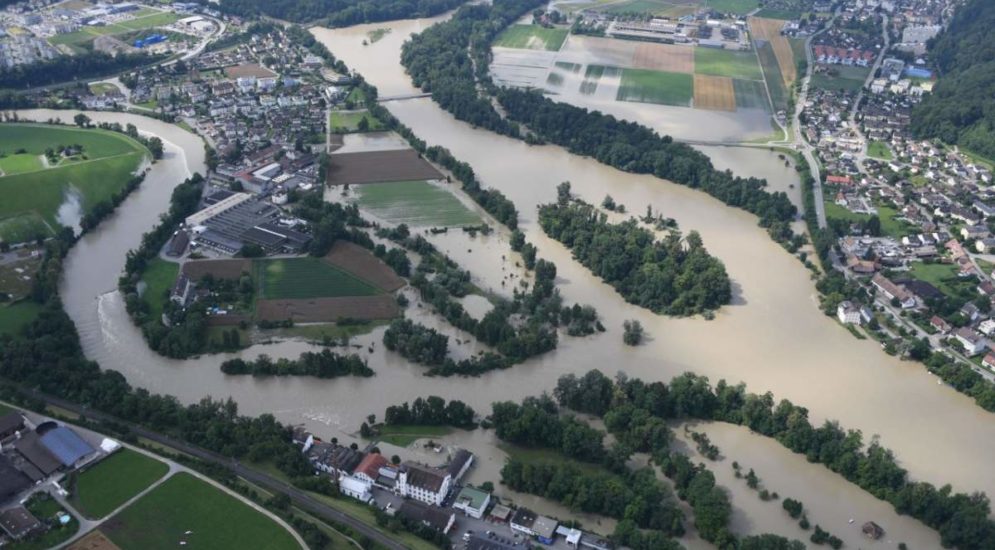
(299, 498)
(862, 155)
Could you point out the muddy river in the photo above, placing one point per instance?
(773, 337)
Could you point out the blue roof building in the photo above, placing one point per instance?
(66, 446)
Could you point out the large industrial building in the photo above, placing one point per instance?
(238, 219)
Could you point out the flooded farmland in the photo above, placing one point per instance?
(773, 337)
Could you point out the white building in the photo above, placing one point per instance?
(422, 483)
(973, 342)
(473, 502)
(848, 313)
(356, 488)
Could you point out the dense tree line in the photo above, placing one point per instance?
(431, 411)
(339, 13)
(323, 364)
(961, 108)
(416, 343)
(634, 496)
(631, 147)
(72, 67)
(675, 276)
(537, 422)
(439, 61)
(961, 519)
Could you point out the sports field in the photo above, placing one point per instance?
(110, 483)
(416, 203)
(185, 512)
(148, 19)
(644, 86)
(720, 62)
(32, 197)
(714, 93)
(531, 37)
(342, 122)
(302, 278)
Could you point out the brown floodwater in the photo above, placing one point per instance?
(773, 337)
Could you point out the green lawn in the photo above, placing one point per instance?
(345, 122)
(15, 316)
(879, 150)
(19, 163)
(660, 8)
(850, 79)
(661, 87)
(891, 226)
(103, 88)
(837, 212)
(295, 278)
(416, 203)
(104, 487)
(110, 160)
(739, 7)
(159, 277)
(774, 13)
(402, 436)
(532, 37)
(942, 276)
(750, 94)
(184, 504)
(716, 62)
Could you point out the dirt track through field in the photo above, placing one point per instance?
(664, 57)
(326, 310)
(714, 93)
(770, 30)
(378, 167)
(360, 262)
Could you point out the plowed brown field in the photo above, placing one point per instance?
(714, 93)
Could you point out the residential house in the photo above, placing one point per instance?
(437, 518)
(989, 361)
(18, 522)
(973, 342)
(940, 324)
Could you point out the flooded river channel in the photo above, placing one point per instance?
(773, 337)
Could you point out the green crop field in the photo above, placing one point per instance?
(739, 7)
(188, 510)
(104, 487)
(750, 94)
(661, 87)
(532, 37)
(294, 278)
(416, 203)
(772, 75)
(32, 197)
(345, 122)
(145, 19)
(716, 62)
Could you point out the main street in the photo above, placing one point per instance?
(299, 498)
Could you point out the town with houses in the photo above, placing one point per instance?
(912, 217)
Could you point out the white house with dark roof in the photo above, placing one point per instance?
(423, 483)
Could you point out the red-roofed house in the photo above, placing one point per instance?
(989, 361)
(369, 469)
(839, 180)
